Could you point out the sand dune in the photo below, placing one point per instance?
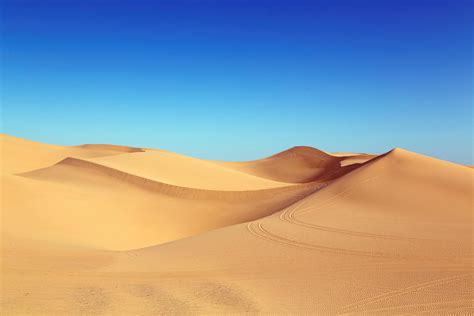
(106, 208)
(297, 165)
(115, 148)
(21, 155)
(101, 230)
(185, 171)
(81, 171)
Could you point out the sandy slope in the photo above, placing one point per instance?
(392, 236)
(96, 206)
(20, 155)
(298, 165)
(162, 166)
(112, 204)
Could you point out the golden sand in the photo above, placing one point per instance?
(103, 229)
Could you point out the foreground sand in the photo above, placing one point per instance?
(102, 229)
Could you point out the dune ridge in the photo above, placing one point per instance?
(168, 189)
(118, 148)
(22, 155)
(179, 170)
(300, 164)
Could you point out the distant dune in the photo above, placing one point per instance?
(117, 230)
(298, 165)
(113, 148)
(185, 171)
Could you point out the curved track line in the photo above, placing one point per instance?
(447, 310)
(337, 196)
(289, 215)
(403, 291)
(257, 229)
(420, 305)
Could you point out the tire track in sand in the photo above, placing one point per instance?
(429, 305)
(403, 291)
(257, 229)
(289, 215)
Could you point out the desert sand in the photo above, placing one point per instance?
(118, 230)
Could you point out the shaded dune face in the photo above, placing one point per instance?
(297, 165)
(122, 230)
(116, 148)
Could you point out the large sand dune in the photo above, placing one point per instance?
(101, 229)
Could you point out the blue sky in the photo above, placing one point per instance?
(239, 80)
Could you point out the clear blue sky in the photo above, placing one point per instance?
(238, 80)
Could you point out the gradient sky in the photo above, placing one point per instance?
(239, 80)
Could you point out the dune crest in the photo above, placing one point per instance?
(20, 155)
(107, 147)
(179, 170)
(83, 167)
(300, 164)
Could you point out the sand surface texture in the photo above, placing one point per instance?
(117, 230)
